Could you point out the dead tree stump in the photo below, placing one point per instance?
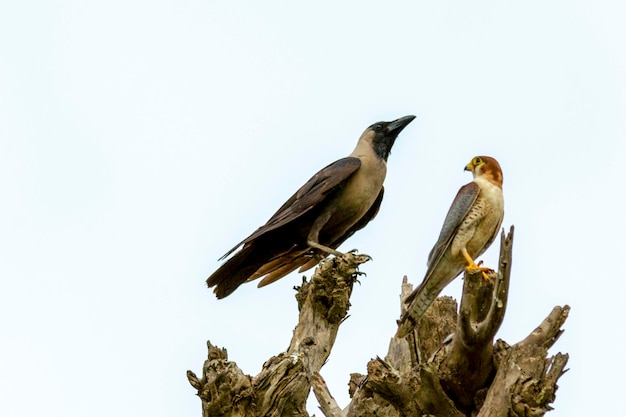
(449, 366)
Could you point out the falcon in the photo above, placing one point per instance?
(470, 227)
(336, 202)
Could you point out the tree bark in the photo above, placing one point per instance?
(283, 385)
(449, 366)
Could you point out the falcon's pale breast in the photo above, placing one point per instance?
(481, 224)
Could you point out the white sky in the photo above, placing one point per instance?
(140, 140)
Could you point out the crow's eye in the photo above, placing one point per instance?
(378, 127)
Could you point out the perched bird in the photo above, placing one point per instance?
(470, 227)
(336, 202)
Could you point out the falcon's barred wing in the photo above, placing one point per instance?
(461, 205)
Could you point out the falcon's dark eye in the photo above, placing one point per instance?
(477, 160)
(378, 127)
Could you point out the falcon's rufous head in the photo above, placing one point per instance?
(486, 167)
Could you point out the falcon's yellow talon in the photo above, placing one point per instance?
(475, 267)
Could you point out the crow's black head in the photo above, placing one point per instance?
(385, 134)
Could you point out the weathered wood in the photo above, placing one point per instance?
(283, 385)
(327, 402)
(526, 381)
(223, 388)
(468, 365)
(448, 366)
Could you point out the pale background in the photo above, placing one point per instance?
(140, 140)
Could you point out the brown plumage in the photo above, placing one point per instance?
(336, 202)
(470, 227)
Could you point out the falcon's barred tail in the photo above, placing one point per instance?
(418, 302)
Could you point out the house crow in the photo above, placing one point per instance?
(336, 202)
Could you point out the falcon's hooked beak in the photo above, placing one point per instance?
(477, 160)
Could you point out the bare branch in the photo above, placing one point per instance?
(488, 328)
(468, 364)
(327, 402)
(549, 331)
